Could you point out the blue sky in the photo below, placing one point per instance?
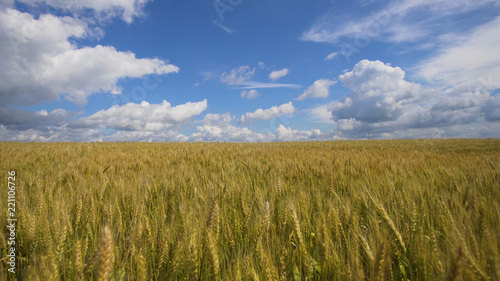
(239, 70)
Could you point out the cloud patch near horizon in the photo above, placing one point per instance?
(382, 102)
(143, 116)
(267, 114)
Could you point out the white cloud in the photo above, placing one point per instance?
(320, 114)
(238, 75)
(260, 85)
(214, 119)
(144, 136)
(275, 75)
(228, 133)
(379, 94)
(68, 134)
(383, 104)
(35, 52)
(143, 116)
(241, 76)
(473, 60)
(332, 55)
(398, 21)
(319, 89)
(127, 9)
(267, 114)
(217, 127)
(250, 94)
(288, 134)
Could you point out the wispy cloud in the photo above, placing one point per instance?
(471, 60)
(238, 75)
(261, 85)
(224, 27)
(241, 76)
(399, 21)
(332, 55)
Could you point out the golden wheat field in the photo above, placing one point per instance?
(349, 210)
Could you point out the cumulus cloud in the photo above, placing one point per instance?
(70, 134)
(382, 104)
(142, 117)
(144, 136)
(288, 134)
(379, 92)
(215, 119)
(320, 114)
(228, 133)
(267, 114)
(35, 52)
(250, 94)
(217, 128)
(238, 75)
(275, 75)
(127, 9)
(319, 89)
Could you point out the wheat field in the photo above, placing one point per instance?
(347, 210)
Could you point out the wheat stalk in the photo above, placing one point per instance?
(106, 261)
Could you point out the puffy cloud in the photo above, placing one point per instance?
(320, 114)
(143, 116)
(217, 127)
(379, 92)
(68, 134)
(50, 134)
(319, 89)
(228, 133)
(250, 94)
(275, 75)
(127, 9)
(267, 114)
(36, 51)
(238, 75)
(472, 60)
(144, 136)
(288, 134)
(212, 119)
(383, 104)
